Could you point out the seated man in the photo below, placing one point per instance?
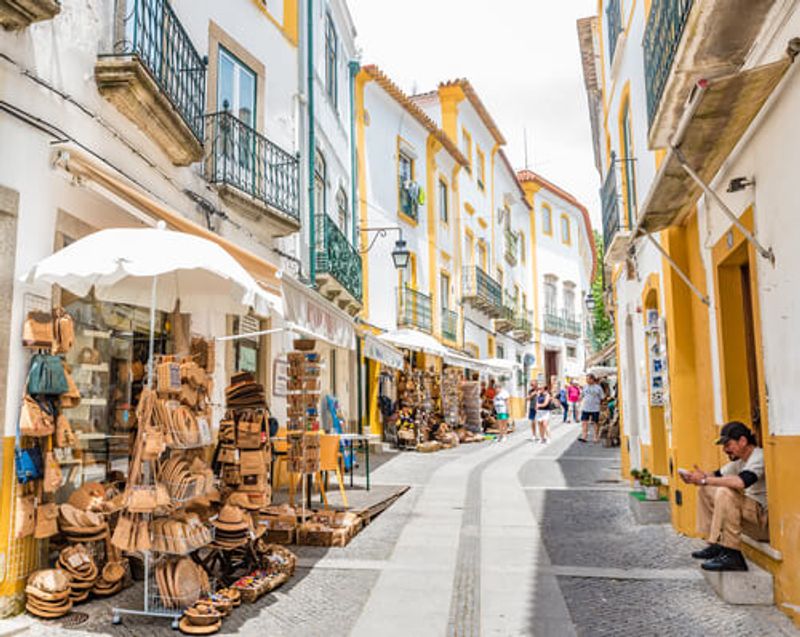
(732, 499)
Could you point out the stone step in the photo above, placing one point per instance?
(649, 511)
(753, 586)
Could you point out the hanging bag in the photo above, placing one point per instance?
(63, 331)
(72, 397)
(46, 521)
(65, 437)
(35, 418)
(52, 473)
(27, 462)
(37, 331)
(47, 377)
(24, 516)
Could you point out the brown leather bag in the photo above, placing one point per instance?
(65, 437)
(63, 331)
(253, 462)
(46, 521)
(37, 331)
(24, 516)
(123, 533)
(248, 434)
(72, 398)
(52, 475)
(35, 420)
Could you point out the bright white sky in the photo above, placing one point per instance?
(520, 55)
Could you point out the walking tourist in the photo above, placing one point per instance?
(593, 395)
(501, 399)
(573, 398)
(544, 401)
(731, 500)
(562, 399)
(533, 390)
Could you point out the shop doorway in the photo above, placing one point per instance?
(551, 365)
(737, 316)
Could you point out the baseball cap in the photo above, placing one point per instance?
(733, 431)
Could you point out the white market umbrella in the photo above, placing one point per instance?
(154, 268)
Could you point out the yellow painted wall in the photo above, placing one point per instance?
(375, 422)
(517, 406)
(689, 361)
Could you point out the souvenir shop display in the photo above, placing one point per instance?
(303, 423)
(451, 379)
(280, 522)
(471, 405)
(328, 528)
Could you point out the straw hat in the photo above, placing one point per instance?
(231, 518)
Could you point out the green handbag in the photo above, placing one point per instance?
(47, 377)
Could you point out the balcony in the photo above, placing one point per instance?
(253, 174)
(572, 326)
(553, 323)
(449, 325)
(156, 78)
(338, 264)
(720, 35)
(414, 310)
(19, 14)
(512, 247)
(505, 322)
(616, 232)
(523, 326)
(481, 291)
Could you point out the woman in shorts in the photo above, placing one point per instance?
(543, 405)
(533, 392)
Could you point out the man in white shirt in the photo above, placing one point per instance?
(732, 499)
(593, 396)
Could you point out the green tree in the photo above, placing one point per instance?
(602, 326)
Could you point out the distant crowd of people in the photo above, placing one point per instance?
(592, 405)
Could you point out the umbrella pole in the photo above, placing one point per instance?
(151, 343)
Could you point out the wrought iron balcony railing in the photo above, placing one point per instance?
(482, 291)
(662, 36)
(508, 309)
(553, 322)
(335, 256)
(449, 325)
(523, 326)
(572, 326)
(152, 32)
(609, 199)
(614, 22)
(242, 158)
(414, 309)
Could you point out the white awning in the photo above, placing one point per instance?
(457, 360)
(309, 313)
(500, 366)
(382, 352)
(414, 341)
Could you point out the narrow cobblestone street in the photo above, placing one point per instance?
(511, 538)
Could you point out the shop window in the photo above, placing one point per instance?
(501, 351)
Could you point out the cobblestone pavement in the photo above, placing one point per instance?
(511, 538)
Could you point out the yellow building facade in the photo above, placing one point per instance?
(698, 242)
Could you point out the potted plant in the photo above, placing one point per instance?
(637, 476)
(651, 488)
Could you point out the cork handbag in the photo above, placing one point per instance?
(52, 474)
(63, 331)
(24, 516)
(37, 331)
(36, 419)
(46, 521)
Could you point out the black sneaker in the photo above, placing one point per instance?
(727, 560)
(708, 553)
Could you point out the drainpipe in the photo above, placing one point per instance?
(354, 67)
(312, 144)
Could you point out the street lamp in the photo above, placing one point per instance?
(589, 300)
(400, 254)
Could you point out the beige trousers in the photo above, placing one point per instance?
(723, 513)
